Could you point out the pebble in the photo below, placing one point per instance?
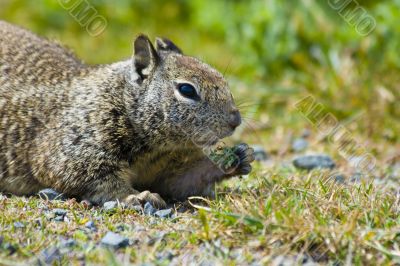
(10, 248)
(309, 162)
(299, 145)
(166, 213)
(114, 240)
(90, 225)
(50, 194)
(288, 260)
(67, 243)
(59, 212)
(306, 133)
(51, 255)
(339, 178)
(136, 208)
(259, 153)
(110, 205)
(165, 256)
(59, 215)
(356, 178)
(59, 218)
(149, 209)
(19, 225)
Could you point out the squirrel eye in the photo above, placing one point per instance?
(188, 91)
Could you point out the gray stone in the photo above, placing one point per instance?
(165, 256)
(67, 243)
(356, 177)
(59, 218)
(59, 215)
(90, 225)
(306, 133)
(136, 208)
(114, 240)
(289, 260)
(259, 153)
(51, 255)
(299, 145)
(121, 227)
(10, 248)
(50, 194)
(110, 205)
(59, 212)
(19, 225)
(166, 213)
(149, 209)
(339, 178)
(309, 162)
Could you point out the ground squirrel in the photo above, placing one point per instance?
(107, 132)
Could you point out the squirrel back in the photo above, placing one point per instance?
(30, 59)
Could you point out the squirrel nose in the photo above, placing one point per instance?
(234, 119)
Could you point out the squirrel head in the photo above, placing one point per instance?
(180, 96)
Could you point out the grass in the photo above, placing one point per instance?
(276, 211)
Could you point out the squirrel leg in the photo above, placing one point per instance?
(200, 178)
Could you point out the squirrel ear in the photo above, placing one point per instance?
(164, 44)
(145, 58)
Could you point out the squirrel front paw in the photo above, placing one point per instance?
(234, 160)
(145, 196)
(245, 156)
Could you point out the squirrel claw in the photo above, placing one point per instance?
(146, 196)
(245, 156)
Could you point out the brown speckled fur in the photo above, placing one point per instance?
(109, 131)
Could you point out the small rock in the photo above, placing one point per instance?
(67, 243)
(309, 162)
(59, 212)
(19, 225)
(149, 209)
(59, 218)
(110, 205)
(299, 145)
(90, 225)
(59, 215)
(288, 260)
(121, 227)
(50, 194)
(306, 133)
(339, 178)
(166, 213)
(356, 178)
(39, 223)
(136, 208)
(51, 255)
(114, 240)
(259, 153)
(165, 256)
(10, 248)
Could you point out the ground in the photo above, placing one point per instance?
(277, 214)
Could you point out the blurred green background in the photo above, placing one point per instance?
(273, 52)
